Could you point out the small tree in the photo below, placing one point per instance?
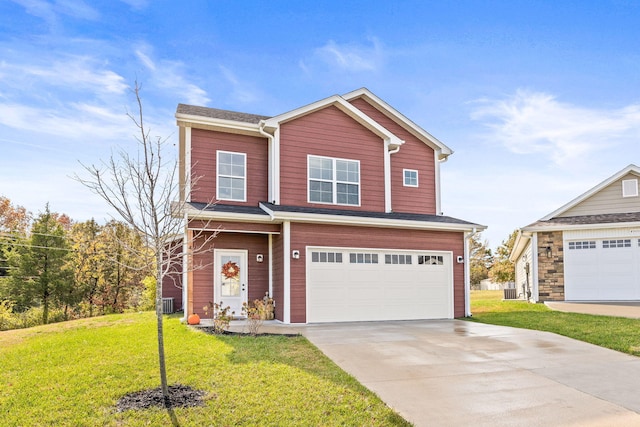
(143, 190)
(503, 270)
(480, 260)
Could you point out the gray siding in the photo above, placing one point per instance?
(607, 201)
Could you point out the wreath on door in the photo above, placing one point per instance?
(230, 270)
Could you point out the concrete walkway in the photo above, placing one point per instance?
(453, 372)
(620, 309)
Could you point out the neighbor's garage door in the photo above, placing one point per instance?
(602, 269)
(364, 285)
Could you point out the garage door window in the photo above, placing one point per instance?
(591, 244)
(326, 257)
(363, 258)
(621, 243)
(431, 260)
(397, 259)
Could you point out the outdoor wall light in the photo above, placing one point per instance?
(295, 254)
(259, 257)
(548, 251)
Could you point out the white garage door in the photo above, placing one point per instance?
(364, 285)
(602, 269)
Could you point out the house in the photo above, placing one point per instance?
(587, 250)
(332, 209)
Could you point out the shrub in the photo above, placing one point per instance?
(257, 312)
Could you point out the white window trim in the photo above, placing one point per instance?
(334, 181)
(630, 184)
(244, 155)
(404, 178)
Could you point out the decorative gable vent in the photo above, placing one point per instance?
(630, 188)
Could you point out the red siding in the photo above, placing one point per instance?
(414, 154)
(329, 132)
(172, 282)
(258, 279)
(303, 235)
(205, 143)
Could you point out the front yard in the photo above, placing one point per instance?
(73, 373)
(616, 333)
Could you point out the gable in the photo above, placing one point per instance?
(610, 199)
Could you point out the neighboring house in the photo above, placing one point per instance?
(332, 209)
(588, 250)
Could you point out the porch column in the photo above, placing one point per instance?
(286, 239)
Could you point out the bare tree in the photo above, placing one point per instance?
(144, 191)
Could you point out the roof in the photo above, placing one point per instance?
(631, 168)
(215, 113)
(587, 219)
(268, 212)
(401, 119)
(368, 214)
(246, 121)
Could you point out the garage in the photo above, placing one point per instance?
(602, 269)
(371, 284)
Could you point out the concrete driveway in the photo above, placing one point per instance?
(454, 373)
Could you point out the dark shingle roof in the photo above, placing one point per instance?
(367, 214)
(217, 207)
(589, 219)
(219, 114)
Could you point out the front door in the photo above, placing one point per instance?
(230, 279)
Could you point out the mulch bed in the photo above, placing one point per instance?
(180, 396)
(210, 330)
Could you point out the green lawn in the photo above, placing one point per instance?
(616, 333)
(73, 373)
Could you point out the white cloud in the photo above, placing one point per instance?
(50, 11)
(351, 57)
(76, 121)
(73, 72)
(533, 122)
(241, 92)
(171, 76)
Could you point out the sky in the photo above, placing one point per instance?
(540, 100)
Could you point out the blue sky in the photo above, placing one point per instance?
(540, 100)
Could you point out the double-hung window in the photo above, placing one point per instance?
(335, 181)
(232, 176)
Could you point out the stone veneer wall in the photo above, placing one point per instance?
(550, 270)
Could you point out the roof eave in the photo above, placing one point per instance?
(369, 222)
(412, 127)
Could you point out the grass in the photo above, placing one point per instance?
(616, 333)
(73, 373)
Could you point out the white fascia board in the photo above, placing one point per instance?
(562, 227)
(522, 238)
(401, 119)
(631, 168)
(368, 222)
(220, 123)
(345, 107)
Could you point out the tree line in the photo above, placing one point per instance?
(53, 268)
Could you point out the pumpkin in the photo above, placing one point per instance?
(194, 319)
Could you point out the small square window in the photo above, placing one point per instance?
(410, 178)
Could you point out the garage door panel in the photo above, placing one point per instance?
(607, 270)
(367, 292)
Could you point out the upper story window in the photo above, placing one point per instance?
(410, 177)
(232, 176)
(335, 181)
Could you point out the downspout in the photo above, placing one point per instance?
(467, 273)
(534, 267)
(388, 207)
(272, 169)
